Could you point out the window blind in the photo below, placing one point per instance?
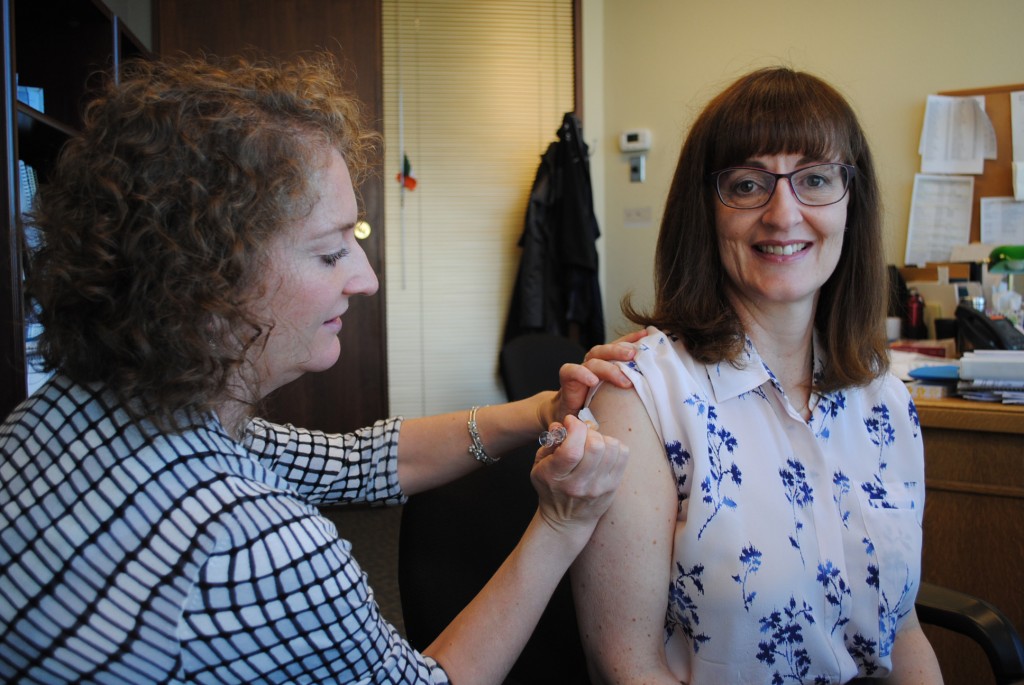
(473, 94)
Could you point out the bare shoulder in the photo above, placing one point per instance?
(614, 406)
(621, 414)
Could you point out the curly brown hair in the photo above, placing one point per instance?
(770, 111)
(156, 220)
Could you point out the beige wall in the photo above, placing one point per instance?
(654, 63)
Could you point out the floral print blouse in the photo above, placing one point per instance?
(797, 550)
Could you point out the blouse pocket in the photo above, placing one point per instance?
(891, 515)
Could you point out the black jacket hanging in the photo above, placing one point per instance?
(557, 289)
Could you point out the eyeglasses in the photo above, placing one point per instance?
(815, 186)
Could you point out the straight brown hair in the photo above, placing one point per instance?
(771, 111)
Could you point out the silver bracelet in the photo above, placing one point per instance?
(477, 448)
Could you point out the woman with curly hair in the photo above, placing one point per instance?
(768, 529)
(197, 252)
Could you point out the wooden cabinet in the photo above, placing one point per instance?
(58, 47)
(974, 517)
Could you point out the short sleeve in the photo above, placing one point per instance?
(330, 468)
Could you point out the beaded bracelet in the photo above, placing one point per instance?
(477, 448)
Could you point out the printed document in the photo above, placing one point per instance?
(940, 217)
(1017, 136)
(1002, 221)
(957, 136)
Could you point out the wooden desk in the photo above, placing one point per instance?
(974, 517)
(960, 414)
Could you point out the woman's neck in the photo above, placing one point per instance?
(786, 344)
(233, 415)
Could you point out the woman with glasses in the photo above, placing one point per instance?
(768, 529)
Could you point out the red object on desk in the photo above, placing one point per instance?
(914, 326)
(933, 348)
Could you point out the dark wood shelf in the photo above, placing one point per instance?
(66, 48)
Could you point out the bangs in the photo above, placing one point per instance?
(785, 113)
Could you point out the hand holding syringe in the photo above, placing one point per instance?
(554, 438)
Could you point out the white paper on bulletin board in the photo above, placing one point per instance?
(940, 217)
(1017, 125)
(1002, 221)
(957, 136)
(1017, 142)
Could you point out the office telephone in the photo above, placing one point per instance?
(980, 332)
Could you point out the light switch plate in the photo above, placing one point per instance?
(637, 168)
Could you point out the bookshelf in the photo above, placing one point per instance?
(58, 47)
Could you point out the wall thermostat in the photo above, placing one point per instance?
(635, 140)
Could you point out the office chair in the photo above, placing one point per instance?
(529, 363)
(455, 537)
(977, 619)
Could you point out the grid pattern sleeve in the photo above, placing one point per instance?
(132, 556)
(288, 603)
(328, 468)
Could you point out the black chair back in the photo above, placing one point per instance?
(454, 538)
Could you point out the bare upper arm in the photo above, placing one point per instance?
(621, 579)
(913, 659)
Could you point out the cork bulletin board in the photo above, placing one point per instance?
(997, 179)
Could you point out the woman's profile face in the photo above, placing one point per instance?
(781, 253)
(315, 266)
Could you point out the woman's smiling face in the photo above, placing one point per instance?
(784, 251)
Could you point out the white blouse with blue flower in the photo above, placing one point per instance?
(797, 550)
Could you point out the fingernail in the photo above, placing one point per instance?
(587, 417)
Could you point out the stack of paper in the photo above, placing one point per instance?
(993, 376)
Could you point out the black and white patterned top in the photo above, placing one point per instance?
(128, 555)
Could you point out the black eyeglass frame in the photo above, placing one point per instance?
(714, 176)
